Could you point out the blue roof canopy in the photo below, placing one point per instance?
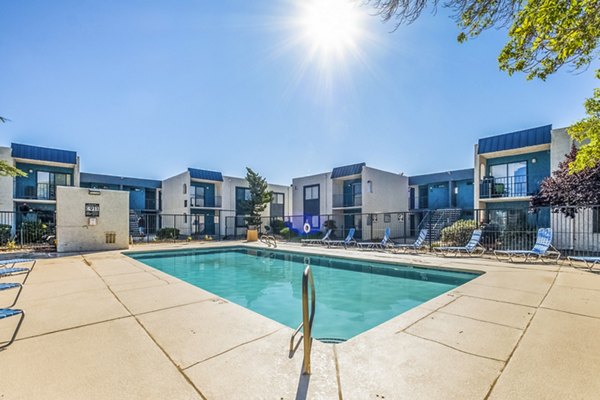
(43, 153)
(120, 180)
(205, 175)
(456, 175)
(347, 170)
(516, 140)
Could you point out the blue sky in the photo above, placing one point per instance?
(148, 88)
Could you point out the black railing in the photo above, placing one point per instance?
(41, 191)
(344, 200)
(27, 230)
(205, 201)
(511, 186)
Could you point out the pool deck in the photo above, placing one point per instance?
(105, 326)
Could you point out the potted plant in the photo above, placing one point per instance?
(260, 196)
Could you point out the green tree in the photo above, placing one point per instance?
(260, 196)
(543, 36)
(5, 168)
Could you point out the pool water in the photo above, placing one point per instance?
(352, 296)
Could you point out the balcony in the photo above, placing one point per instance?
(509, 187)
(205, 201)
(41, 191)
(340, 200)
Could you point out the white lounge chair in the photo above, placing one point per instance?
(412, 246)
(318, 241)
(590, 262)
(474, 247)
(541, 249)
(346, 242)
(385, 242)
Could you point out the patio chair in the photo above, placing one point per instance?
(385, 242)
(590, 262)
(412, 246)
(474, 247)
(8, 286)
(15, 271)
(346, 242)
(541, 249)
(318, 241)
(7, 313)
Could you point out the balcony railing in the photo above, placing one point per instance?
(205, 201)
(41, 191)
(340, 200)
(511, 186)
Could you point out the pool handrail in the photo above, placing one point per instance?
(307, 319)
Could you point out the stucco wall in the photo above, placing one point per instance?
(390, 191)
(325, 192)
(559, 147)
(73, 231)
(6, 182)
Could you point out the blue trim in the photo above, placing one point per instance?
(347, 170)
(205, 175)
(516, 140)
(43, 154)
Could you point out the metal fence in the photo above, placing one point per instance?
(27, 230)
(576, 231)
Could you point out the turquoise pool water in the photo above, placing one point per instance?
(351, 296)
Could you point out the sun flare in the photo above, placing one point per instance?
(330, 27)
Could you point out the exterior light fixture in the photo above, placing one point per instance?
(533, 160)
(94, 192)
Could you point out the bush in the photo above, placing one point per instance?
(32, 231)
(288, 233)
(459, 233)
(277, 226)
(4, 234)
(167, 233)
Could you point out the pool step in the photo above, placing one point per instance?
(329, 340)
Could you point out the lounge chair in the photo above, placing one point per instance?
(323, 240)
(474, 247)
(385, 242)
(15, 271)
(590, 262)
(8, 286)
(11, 312)
(412, 246)
(541, 249)
(346, 242)
(15, 261)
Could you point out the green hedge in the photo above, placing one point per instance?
(459, 233)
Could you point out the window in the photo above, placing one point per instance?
(510, 179)
(596, 220)
(241, 194)
(185, 203)
(387, 218)
(48, 181)
(277, 205)
(311, 192)
(184, 188)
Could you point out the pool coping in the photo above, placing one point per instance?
(514, 331)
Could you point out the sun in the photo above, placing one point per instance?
(330, 29)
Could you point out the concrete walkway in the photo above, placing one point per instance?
(104, 326)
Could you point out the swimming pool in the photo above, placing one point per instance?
(352, 296)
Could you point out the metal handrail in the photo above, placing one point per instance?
(269, 240)
(307, 319)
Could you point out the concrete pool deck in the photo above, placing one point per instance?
(103, 325)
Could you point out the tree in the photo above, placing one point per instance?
(260, 196)
(543, 36)
(5, 168)
(570, 190)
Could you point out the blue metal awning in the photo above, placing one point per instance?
(516, 140)
(456, 175)
(347, 170)
(43, 154)
(119, 180)
(205, 175)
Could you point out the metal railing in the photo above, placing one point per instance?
(27, 230)
(510, 186)
(307, 319)
(343, 200)
(205, 201)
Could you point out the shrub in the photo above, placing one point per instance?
(288, 233)
(4, 233)
(277, 225)
(459, 233)
(32, 231)
(167, 233)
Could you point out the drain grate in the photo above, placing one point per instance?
(331, 340)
